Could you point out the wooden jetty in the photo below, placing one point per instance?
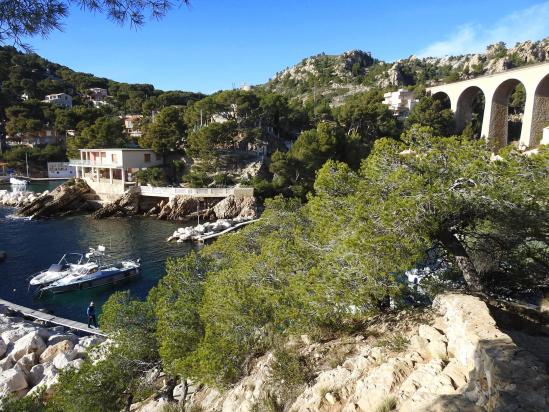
(201, 239)
(55, 320)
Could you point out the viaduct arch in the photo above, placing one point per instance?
(496, 89)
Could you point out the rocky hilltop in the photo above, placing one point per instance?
(336, 77)
(452, 358)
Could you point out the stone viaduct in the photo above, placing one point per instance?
(496, 89)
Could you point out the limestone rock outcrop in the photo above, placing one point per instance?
(68, 198)
(232, 206)
(186, 208)
(126, 205)
(456, 360)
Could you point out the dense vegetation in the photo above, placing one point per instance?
(328, 265)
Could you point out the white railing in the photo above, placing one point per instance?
(90, 163)
(186, 191)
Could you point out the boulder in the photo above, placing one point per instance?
(232, 207)
(6, 363)
(12, 380)
(13, 335)
(30, 343)
(26, 363)
(61, 361)
(61, 337)
(36, 374)
(89, 341)
(49, 379)
(51, 352)
(77, 363)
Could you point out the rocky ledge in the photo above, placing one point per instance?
(71, 197)
(453, 358)
(32, 355)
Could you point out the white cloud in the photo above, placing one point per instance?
(527, 24)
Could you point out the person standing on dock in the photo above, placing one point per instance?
(91, 315)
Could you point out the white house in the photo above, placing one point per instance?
(110, 171)
(59, 99)
(98, 96)
(132, 125)
(400, 102)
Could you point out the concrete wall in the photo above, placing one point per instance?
(136, 159)
(496, 89)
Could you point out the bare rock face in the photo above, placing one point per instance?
(68, 198)
(126, 205)
(232, 207)
(394, 76)
(186, 208)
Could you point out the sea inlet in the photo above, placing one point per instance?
(33, 245)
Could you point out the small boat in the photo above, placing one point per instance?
(105, 275)
(70, 263)
(17, 182)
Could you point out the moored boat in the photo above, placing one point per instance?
(70, 263)
(105, 275)
(18, 182)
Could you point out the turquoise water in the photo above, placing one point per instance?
(32, 246)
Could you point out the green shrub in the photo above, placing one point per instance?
(389, 404)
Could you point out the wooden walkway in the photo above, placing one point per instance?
(55, 320)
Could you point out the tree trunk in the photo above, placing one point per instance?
(464, 262)
(129, 401)
(184, 395)
(170, 386)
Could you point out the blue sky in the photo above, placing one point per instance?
(218, 44)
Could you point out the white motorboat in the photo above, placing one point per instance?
(18, 182)
(105, 275)
(70, 264)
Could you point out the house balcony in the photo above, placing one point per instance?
(94, 163)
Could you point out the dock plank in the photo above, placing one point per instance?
(46, 317)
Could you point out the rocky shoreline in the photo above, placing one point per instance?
(32, 354)
(76, 197)
(18, 199)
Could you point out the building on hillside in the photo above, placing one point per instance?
(59, 99)
(98, 96)
(132, 124)
(110, 171)
(39, 138)
(60, 169)
(25, 96)
(400, 102)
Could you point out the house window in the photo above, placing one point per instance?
(114, 159)
(147, 157)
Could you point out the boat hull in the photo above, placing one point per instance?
(111, 279)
